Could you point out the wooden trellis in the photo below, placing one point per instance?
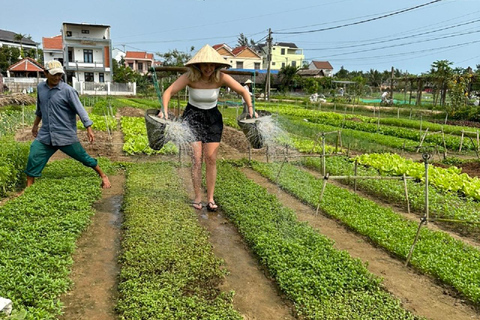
(476, 146)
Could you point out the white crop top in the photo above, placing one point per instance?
(203, 98)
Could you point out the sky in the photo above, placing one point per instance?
(358, 35)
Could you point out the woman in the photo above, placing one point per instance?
(204, 79)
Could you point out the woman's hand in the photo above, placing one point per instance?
(161, 115)
(250, 112)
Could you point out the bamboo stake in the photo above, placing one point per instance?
(422, 221)
(406, 192)
(325, 178)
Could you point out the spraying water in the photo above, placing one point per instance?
(177, 132)
(271, 133)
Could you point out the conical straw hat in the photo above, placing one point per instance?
(208, 55)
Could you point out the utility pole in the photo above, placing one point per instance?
(269, 61)
(391, 83)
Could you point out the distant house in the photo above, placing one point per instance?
(283, 54)
(24, 76)
(11, 39)
(311, 73)
(53, 48)
(118, 54)
(242, 57)
(139, 61)
(87, 52)
(324, 66)
(25, 68)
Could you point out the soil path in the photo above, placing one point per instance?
(95, 269)
(256, 296)
(418, 293)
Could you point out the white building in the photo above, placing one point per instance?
(87, 52)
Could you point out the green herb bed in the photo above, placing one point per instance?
(38, 231)
(168, 270)
(436, 253)
(441, 205)
(323, 283)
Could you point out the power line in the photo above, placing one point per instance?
(438, 49)
(399, 38)
(362, 21)
(403, 44)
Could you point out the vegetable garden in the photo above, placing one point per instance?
(170, 266)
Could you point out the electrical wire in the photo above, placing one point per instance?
(362, 21)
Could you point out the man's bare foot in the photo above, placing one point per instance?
(106, 183)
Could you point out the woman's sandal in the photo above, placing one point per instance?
(197, 205)
(212, 207)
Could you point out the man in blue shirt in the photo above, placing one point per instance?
(57, 108)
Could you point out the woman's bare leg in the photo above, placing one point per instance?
(197, 170)
(210, 151)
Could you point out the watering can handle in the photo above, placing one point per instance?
(157, 89)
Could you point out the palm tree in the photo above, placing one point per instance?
(442, 72)
(287, 77)
(20, 37)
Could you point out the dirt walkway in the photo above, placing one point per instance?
(418, 293)
(95, 269)
(256, 296)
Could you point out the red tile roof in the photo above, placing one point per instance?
(54, 43)
(26, 64)
(322, 65)
(138, 55)
(237, 50)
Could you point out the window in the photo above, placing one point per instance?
(70, 55)
(101, 77)
(88, 55)
(239, 64)
(140, 66)
(69, 33)
(257, 65)
(89, 77)
(283, 51)
(130, 65)
(294, 63)
(283, 64)
(85, 31)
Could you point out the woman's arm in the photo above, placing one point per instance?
(176, 86)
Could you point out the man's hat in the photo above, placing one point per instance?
(53, 67)
(248, 81)
(208, 55)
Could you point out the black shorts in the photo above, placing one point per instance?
(206, 125)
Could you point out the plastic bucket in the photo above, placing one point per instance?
(155, 129)
(249, 127)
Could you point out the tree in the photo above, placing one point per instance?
(374, 78)
(175, 58)
(243, 41)
(287, 75)
(310, 85)
(8, 56)
(122, 73)
(442, 72)
(19, 37)
(342, 74)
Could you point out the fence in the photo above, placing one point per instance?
(105, 88)
(19, 85)
(28, 85)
